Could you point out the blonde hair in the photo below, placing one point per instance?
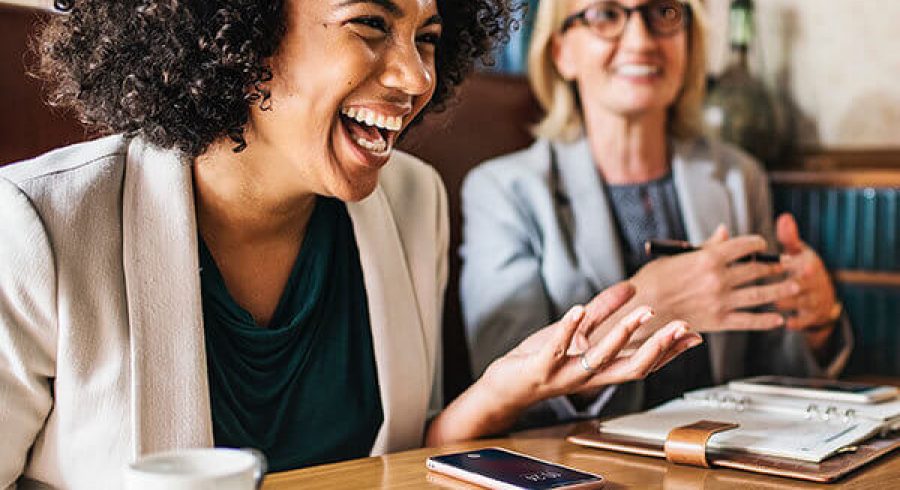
(559, 98)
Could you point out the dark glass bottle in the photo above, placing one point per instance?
(739, 108)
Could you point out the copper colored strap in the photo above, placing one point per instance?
(687, 444)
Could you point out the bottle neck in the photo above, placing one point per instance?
(740, 31)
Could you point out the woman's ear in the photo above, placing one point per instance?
(562, 57)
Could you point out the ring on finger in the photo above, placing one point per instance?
(584, 363)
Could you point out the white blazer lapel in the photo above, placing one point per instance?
(704, 199)
(594, 237)
(397, 330)
(170, 397)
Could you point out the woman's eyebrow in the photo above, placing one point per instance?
(393, 9)
(388, 5)
(434, 19)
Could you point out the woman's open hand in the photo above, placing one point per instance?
(559, 360)
(549, 363)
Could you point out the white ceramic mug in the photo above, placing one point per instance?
(197, 469)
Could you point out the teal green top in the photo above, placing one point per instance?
(304, 390)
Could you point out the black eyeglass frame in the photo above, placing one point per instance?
(643, 10)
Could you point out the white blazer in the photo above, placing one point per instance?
(101, 329)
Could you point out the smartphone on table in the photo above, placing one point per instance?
(824, 389)
(502, 469)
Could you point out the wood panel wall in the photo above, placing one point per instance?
(27, 126)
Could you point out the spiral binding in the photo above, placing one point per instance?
(728, 401)
(813, 411)
(830, 412)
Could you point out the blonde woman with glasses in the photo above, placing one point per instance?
(619, 160)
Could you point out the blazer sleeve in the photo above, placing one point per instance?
(502, 291)
(27, 329)
(792, 355)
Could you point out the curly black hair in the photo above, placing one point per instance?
(184, 73)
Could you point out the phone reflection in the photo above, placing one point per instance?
(442, 481)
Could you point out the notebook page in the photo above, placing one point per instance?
(783, 435)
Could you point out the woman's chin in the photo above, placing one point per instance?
(356, 190)
(638, 109)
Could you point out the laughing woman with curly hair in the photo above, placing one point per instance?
(244, 260)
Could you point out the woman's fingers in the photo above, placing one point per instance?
(813, 300)
(617, 338)
(740, 320)
(559, 342)
(752, 296)
(787, 304)
(642, 361)
(817, 312)
(738, 247)
(580, 343)
(720, 235)
(741, 274)
(605, 304)
(647, 355)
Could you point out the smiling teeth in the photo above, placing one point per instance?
(370, 118)
(638, 70)
(374, 146)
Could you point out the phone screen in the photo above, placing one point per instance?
(816, 384)
(515, 469)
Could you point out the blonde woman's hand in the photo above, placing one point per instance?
(814, 307)
(712, 290)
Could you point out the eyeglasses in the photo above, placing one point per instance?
(608, 19)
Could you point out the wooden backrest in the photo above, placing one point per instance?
(491, 116)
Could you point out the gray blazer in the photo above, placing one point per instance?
(539, 237)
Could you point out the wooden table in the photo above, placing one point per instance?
(407, 469)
